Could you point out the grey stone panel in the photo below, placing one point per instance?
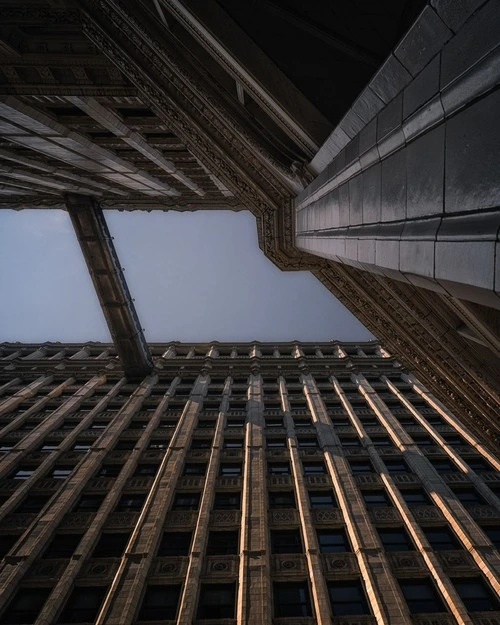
(467, 262)
(351, 124)
(473, 157)
(422, 88)
(497, 268)
(368, 137)
(352, 150)
(478, 37)
(390, 117)
(356, 200)
(372, 190)
(425, 172)
(417, 247)
(394, 187)
(367, 105)
(344, 204)
(390, 79)
(455, 13)
(425, 118)
(423, 41)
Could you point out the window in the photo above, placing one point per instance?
(110, 545)
(227, 501)
(274, 423)
(375, 498)
(395, 539)
(347, 598)
(313, 468)
(233, 443)
(89, 503)
(468, 496)
(99, 425)
(307, 443)
(62, 546)
(222, 543)
(206, 424)
(476, 594)
(341, 421)
(48, 447)
(174, 544)
(26, 605)
(276, 443)
(278, 468)
(322, 499)
(23, 473)
(333, 541)
(423, 441)
(159, 445)
(443, 466)
(201, 443)
(291, 599)
(80, 446)
(109, 470)
(216, 601)
(369, 421)
(235, 423)
(416, 497)
(7, 541)
(361, 466)
(349, 441)
(421, 596)
(493, 534)
(381, 441)
(159, 603)
(397, 466)
(454, 439)
(5, 447)
(435, 420)
(33, 504)
(186, 501)
(83, 604)
(286, 541)
(125, 445)
(282, 500)
(478, 464)
(61, 473)
(130, 503)
(302, 422)
(230, 470)
(194, 469)
(145, 470)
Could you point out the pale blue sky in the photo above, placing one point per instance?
(194, 276)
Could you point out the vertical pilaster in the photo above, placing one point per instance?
(11, 404)
(5, 387)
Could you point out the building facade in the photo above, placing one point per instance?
(254, 484)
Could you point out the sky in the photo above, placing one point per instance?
(194, 277)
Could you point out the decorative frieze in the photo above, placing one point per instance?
(221, 566)
(339, 564)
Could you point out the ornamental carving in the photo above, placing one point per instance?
(48, 569)
(455, 560)
(426, 513)
(453, 478)
(279, 480)
(484, 619)
(384, 514)
(406, 561)
(405, 478)
(20, 520)
(228, 482)
(484, 512)
(122, 519)
(327, 516)
(433, 619)
(169, 567)
(340, 563)
(283, 517)
(354, 620)
(77, 519)
(190, 482)
(221, 565)
(225, 517)
(289, 563)
(367, 479)
(100, 568)
(181, 518)
(232, 453)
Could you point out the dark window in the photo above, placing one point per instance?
(322, 499)
(286, 541)
(278, 468)
(61, 473)
(83, 604)
(291, 599)
(110, 545)
(440, 538)
(130, 503)
(454, 439)
(62, 546)
(479, 465)
(206, 425)
(159, 603)
(443, 466)
(26, 605)
(222, 543)
(347, 598)
(78, 446)
(33, 503)
(349, 441)
(395, 539)
(23, 473)
(307, 442)
(235, 423)
(397, 466)
(158, 445)
(282, 500)
(227, 501)
(89, 503)
(375, 498)
(333, 541)
(195, 469)
(230, 470)
(341, 422)
(468, 496)
(125, 445)
(475, 594)
(416, 497)
(421, 596)
(201, 443)
(302, 423)
(423, 441)
(7, 541)
(381, 441)
(48, 447)
(313, 468)
(109, 470)
(274, 423)
(361, 466)
(145, 469)
(174, 544)
(186, 501)
(233, 443)
(99, 425)
(276, 443)
(216, 601)
(369, 421)
(405, 421)
(493, 534)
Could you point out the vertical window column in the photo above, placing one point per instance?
(11, 404)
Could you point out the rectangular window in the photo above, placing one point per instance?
(281, 500)
(159, 603)
(341, 422)
(145, 470)
(7, 541)
(276, 443)
(416, 497)
(479, 465)
(421, 596)
(454, 440)
(48, 447)
(395, 539)
(130, 503)
(222, 543)
(441, 538)
(186, 501)
(307, 443)
(291, 599)
(201, 443)
(125, 445)
(286, 541)
(23, 473)
(195, 469)
(33, 504)
(80, 446)
(227, 501)
(274, 423)
(349, 441)
(375, 498)
(369, 421)
(278, 468)
(382, 441)
(423, 441)
(301, 422)
(493, 534)
(109, 470)
(444, 466)
(313, 468)
(333, 541)
(89, 503)
(468, 496)
(322, 499)
(110, 545)
(62, 546)
(61, 473)
(397, 466)
(476, 594)
(83, 604)
(230, 470)
(26, 605)
(233, 443)
(174, 544)
(347, 598)
(361, 466)
(235, 423)
(216, 601)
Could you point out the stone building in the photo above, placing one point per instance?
(249, 484)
